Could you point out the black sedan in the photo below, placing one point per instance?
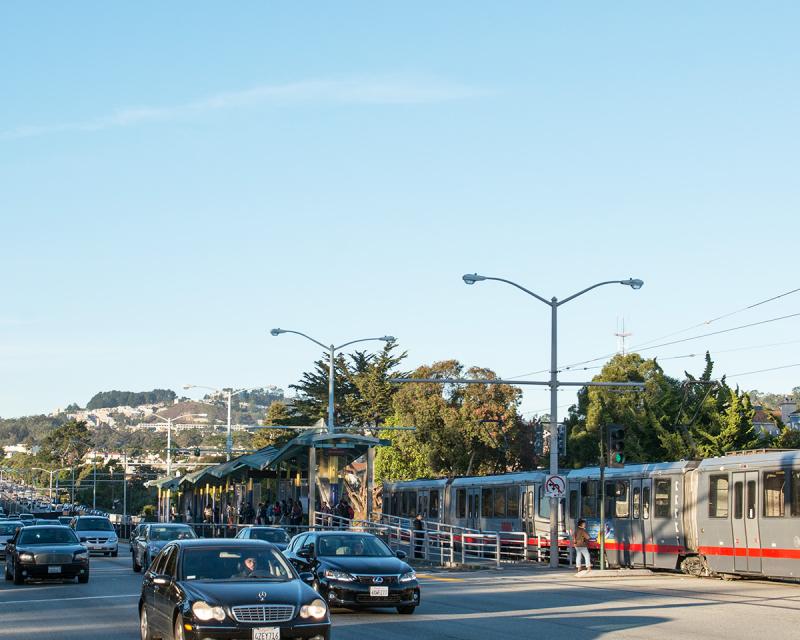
(50, 552)
(245, 589)
(355, 570)
(275, 535)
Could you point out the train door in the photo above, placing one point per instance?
(647, 526)
(746, 538)
(473, 508)
(529, 510)
(638, 539)
(422, 504)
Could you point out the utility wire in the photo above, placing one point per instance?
(669, 335)
(747, 373)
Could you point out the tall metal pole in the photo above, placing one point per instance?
(331, 426)
(229, 439)
(125, 487)
(554, 428)
(94, 480)
(169, 447)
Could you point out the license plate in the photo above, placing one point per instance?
(52, 569)
(379, 592)
(267, 633)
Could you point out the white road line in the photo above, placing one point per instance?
(127, 595)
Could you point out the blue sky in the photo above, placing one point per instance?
(177, 180)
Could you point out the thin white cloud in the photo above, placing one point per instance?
(354, 91)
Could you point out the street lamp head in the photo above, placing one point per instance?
(277, 332)
(387, 338)
(633, 283)
(472, 278)
(188, 386)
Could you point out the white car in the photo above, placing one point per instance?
(97, 534)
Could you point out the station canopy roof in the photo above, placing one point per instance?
(341, 443)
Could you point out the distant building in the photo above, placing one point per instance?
(790, 416)
(764, 421)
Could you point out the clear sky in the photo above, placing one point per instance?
(177, 179)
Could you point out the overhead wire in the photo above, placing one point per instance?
(694, 326)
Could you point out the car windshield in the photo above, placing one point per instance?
(171, 533)
(8, 528)
(353, 545)
(47, 535)
(270, 535)
(94, 524)
(235, 563)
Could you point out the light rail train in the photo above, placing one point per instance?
(736, 514)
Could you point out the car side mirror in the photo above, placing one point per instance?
(307, 577)
(401, 554)
(162, 579)
(306, 552)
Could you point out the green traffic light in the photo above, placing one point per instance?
(618, 457)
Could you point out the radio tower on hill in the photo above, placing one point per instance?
(621, 336)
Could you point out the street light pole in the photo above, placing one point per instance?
(331, 349)
(553, 303)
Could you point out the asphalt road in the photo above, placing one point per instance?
(514, 603)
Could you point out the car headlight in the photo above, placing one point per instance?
(112, 539)
(408, 577)
(316, 609)
(205, 612)
(81, 555)
(341, 576)
(26, 557)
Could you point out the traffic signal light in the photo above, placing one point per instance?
(197, 453)
(616, 445)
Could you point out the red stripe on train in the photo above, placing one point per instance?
(786, 554)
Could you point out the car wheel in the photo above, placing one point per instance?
(406, 611)
(136, 566)
(18, 577)
(177, 631)
(84, 578)
(144, 625)
(8, 573)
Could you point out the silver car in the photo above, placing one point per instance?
(7, 530)
(97, 533)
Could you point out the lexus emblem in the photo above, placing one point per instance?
(377, 580)
(262, 596)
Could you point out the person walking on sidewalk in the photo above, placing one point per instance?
(581, 544)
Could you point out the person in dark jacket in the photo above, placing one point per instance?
(419, 536)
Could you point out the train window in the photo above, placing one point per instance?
(433, 504)
(774, 494)
(395, 510)
(422, 506)
(573, 504)
(718, 496)
(637, 502)
(513, 502)
(751, 499)
(738, 500)
(486, 503)
(796, 493)
(530, 505)
(622, 507)
(663, 498)
(646, 503)
(461, 503)
(500, 502)
(544, 503)
(589, 499)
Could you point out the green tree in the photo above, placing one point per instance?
(67, 444)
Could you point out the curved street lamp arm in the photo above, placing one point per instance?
(529, 292)
(327, 347)
(346, 344)
(594, 286)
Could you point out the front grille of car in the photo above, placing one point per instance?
(263, 613)
(53, 558)
(97, 540)
(384, 580)
(392, 597)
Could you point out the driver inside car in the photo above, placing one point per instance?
(248, 567)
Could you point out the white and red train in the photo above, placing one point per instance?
(736, 514)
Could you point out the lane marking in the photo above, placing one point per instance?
(127, 595)
(428, 576)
